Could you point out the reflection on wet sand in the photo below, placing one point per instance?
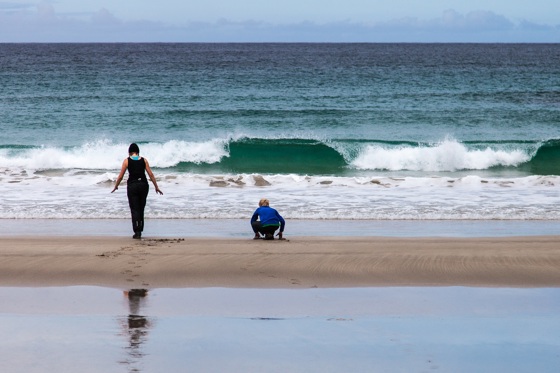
(136, 328)
(384, 329)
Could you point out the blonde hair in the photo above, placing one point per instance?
(264, 202)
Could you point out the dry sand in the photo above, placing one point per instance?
(299, 262)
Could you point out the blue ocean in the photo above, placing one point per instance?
(325, 131)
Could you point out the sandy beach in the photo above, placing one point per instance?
(306, 304)
(299, 262)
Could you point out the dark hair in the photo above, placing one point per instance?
(133, 148)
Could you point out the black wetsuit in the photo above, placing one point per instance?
(137, 192)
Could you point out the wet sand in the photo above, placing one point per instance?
(240, 228)
(386, 329)
(299, 262)
(230, 304)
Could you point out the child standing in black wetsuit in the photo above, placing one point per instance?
(137, 186)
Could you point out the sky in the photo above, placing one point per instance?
(280, 21)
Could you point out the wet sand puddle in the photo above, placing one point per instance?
(94, 329)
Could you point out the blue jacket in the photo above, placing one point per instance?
(268, 216)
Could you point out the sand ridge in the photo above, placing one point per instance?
(299, 262)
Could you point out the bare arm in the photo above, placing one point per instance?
(152, 177)
(121, 175)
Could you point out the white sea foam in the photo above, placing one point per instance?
(173, 152)
(448, 155)
(105, 155)
(86, 194)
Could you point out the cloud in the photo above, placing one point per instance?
(42, 23)
(104, 17)
(45, 11)
(451, 26)
(476, 20)
(9, 6)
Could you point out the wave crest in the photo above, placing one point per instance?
(297, 156)
(106, 155)
(448, 155)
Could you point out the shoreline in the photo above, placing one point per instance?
(299, 262)
(240, 228)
